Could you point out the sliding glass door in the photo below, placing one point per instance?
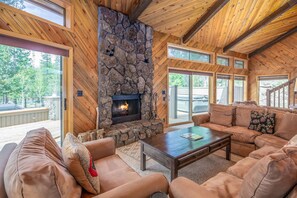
(179, 98)
(200, 94)
(188, 95)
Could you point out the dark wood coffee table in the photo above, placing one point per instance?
(175, 152)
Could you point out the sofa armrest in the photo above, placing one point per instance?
(182, 188)
(140, 188)
(201, 118)
(101, 148)
(5, 154)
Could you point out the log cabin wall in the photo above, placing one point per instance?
(82, 37)
(162, 63)
(278, 59)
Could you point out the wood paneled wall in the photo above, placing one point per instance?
(281, 58)
(82, 37)
(162, 63)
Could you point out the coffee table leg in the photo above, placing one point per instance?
(173, 170)
(228, 151)
(142, 158)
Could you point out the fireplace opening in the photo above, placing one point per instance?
(125, 108)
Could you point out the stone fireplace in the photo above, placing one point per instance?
(125, 70)
(125, 108)
(125, 63)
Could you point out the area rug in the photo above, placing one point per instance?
(199, 171)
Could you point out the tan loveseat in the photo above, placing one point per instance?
(244, 140)
(51, 179)
(267, 172)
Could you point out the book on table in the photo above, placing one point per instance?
(192, 136)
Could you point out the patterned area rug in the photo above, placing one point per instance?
(199, 171)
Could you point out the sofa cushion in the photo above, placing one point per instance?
(288, 126)
(242, 167)
(279, 115)
(269, 140)
(5, 154)
(292, 141)
(215, 127)
(224, 185)
(243, 115)
(242, 134)
(78, 161)
(221, 114)
(262, 152)
(35, 169)
(262, 122)
(114, 172)
(274, 175)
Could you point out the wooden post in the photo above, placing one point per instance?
(268, 98)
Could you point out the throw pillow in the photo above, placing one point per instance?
(36, 169)
(272, 176)
(262, 122)
(221, 114)
(288, 126)
(79, 162)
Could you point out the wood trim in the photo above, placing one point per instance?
(261, 24)
(204, 19)
(69, 21)
(271, 43)
(68, 90)
(137, 11)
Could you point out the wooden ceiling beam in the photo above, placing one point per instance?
(204, 19)
(271, 43)
(261, 24)
(136, 12)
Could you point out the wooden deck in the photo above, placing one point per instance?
(17, 133)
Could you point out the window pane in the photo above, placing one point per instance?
(196, 56)
(179, 98)
(178, 53)
(269, 84)
(200, 96)
(41, 8)
(238, 90)
(239, 64)
(222, 91)
(223, 61)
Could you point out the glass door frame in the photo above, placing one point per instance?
(67, 84)
(191, 74)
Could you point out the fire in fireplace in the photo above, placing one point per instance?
(125, 108)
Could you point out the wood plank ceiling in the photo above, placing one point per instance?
(176, 17)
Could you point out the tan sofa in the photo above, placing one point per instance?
(244, 140)
(229, 184)
(117, 179)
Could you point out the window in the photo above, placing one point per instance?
(185, 54)
(270, 82)
(188, 95)
(223, 89)
(41, 8)
(222, 61)
(239, 88)
(239, 64)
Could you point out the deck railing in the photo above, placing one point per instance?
(23, 116)
(282, 96)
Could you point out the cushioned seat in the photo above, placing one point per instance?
(262, 152)
(224, 185)
(114, 167)
(242, 134)
(213, 126)
(242, 167)
(270, 140)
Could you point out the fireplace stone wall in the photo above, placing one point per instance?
(125, 62)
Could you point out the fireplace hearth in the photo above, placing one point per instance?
(125, 108)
